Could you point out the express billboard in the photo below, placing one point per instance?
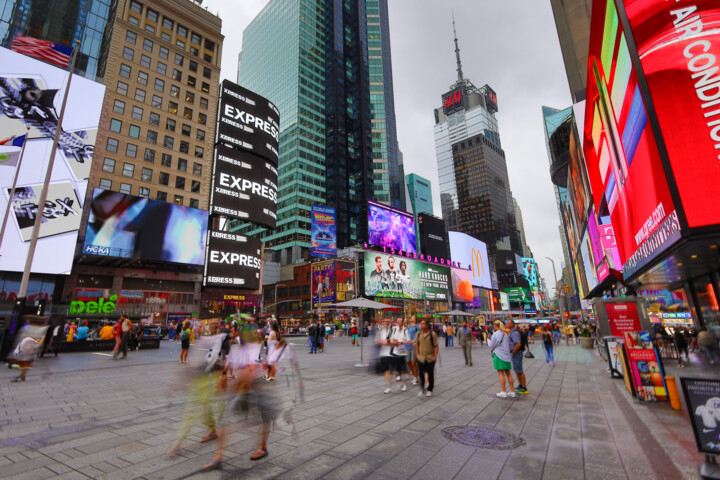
(471, 253)
(391, 228)
(323, 232)
(623, 162)
(388, 276)
(232, 260)
(433, 236)
(248, 121)
(31, 94)
(127, 226)
(244, 186)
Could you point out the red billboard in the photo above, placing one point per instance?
(623, 162)
(678, 45)
(622, 317)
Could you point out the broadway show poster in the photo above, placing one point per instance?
(344, 281)
(645, 367)
(323, 284)
(614, 358)
(398, 277)
(702, 396)
(622, 317)
(323, 233)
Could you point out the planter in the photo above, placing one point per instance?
(587, 342)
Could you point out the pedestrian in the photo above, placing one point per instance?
(384, 339)
(500, 349)
(556, 333)
(681, 344)
(412, 330)
(708, 343)
(184, 336)
(426, 352)
(275, 344)
(72, 330)
(24, 355)
(548, 342)
(444, 332)
(171, 331)
(320, 336)
(400, 340)
(312, 337)
(450, 332)
(126, 327)
(531, 334)
(117, 334)
(53, 336)
(465, 340)
(82, 331)
(354, 335)
(517, 350)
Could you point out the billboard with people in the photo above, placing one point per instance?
(391, 228)
(397, 277)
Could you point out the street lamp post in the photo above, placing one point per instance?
(557, 291)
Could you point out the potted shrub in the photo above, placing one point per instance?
(586, 339)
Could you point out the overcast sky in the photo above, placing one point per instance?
(511, 46)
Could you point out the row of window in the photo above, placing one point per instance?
(157, 102)
(154, 119)
(126, 188)
(152, 137)
(147, 175)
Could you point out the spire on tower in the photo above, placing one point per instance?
(457, 49)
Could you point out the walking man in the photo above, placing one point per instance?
(426, 351)
(517, 348)
(450, 332)
(126, 326)
(465, 339)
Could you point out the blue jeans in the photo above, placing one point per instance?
(556, 336)
(548, 353)
(313, 345)
(710, 352)
(451, 341)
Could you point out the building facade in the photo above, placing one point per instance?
(420, 191)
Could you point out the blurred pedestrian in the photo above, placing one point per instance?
(548, 343)
(185, 331)
(426, 352)
(412, 331)
(517, 350)
(708, 343)
(465, 340)
(450, 335)
(24, 355)
(500, 348)
(320, 336)
(117, 334)
(53, 336)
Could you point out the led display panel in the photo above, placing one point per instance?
(232, 260)
(462, 285)
(469, 252)
(623, 163)
(323, 232)
(323, 283)
(31, 94)
(391, 228)
(530, 271)
(397, 277)
(433, 237)
(127, 226)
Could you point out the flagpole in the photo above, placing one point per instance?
(46, 185)
(12, 190)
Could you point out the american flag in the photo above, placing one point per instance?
(42, 49)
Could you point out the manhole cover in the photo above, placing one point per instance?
(483, 437)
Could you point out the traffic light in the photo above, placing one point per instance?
(567, 314)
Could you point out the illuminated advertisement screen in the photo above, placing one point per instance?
(530, 271)
(433, 237)
(345, 281)
(323, 232)
(623, 163)
(31, 94)
(471, 253)
(248, 121)
(588, 259)
(391, 228)
(462, 285)
(397, 277)
(244, 186)
(323, 283)
(679, 47)
(232, 260)
(519, 295)
(127, 226)
(453, 100)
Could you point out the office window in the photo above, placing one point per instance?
(173, 107)
(130, 37)
(185, 129)
(180, 183)
(179, 59)
(209, 45)
(207, 73)
(159, 85)
(174, 91)
(128, 170)
(125, 188)
(145, 61)
(152, 15)
(135, 7)
(177, 75)
(142, 78)
(115, 125)
(208, 57)
(152, 137)
(188, 113)
(179, 199)
(134, 131)
(146, 174)
(140, 95)
(133, 21)
(194, 51)
(199, 152)
(166, 160)
(162, 68)
(205, 87)
(154, 118)
(128, 53)
(197, 169)
(202, 118)
(105, 183)
(193, 66)
(191, 81)
(165, 37)
(203, 103)
(194, 203)
(131, 150)
(122, 88)
(119, 107)
(180, 44)
(200, 135)
(195, 38)
(164, 178)
(149, 155)
(182, 31)
(137, 113)
(125, 70)
(167, 23)
(169, 142)
(182, 165)
(189, 97)
(170, 124)
(112, 145)
(150, 29)
(195, 186)
(108, 165)
(144, 192)
(164, 53)
(157, 101)
(184, 147)
(162, 196)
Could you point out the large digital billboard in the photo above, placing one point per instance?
(397, 277)
(345, 280)
(623, 162)
(127, 226)
(248, 121)
(462, 285)
(31, 94)
(243, 186)
(323, 283)
(433, 236)
(471, 253)
(323, 232)
(678, 44)
(232, 260)
(391, 228)
(530, 271)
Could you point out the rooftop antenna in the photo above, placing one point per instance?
(457, 49)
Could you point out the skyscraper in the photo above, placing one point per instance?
(420, 194)
(521, 230)
(326, 65)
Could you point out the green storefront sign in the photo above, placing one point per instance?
(102, 305)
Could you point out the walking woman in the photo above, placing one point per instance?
(500, 348)
(547, 339)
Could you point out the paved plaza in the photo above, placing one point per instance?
(89, 416)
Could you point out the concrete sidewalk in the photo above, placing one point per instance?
(89, 416)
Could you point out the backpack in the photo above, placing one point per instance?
(353, 330)
(184, 334)
(523, 341)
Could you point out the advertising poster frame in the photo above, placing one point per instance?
(322, 284)
(323, 222)
(698, 414)
(646, 370)
(422, 280)
(232, 260)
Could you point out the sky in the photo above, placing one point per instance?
(510, 45)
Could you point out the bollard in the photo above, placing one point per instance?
(673, 393)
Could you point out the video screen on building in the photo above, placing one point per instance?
(462, 285)
(530, 271)
(31, 94)
(232, 260)
(471, 253)
(433, 237)
(323, 232)
(391, 228)
(398, 277)
(127, 226)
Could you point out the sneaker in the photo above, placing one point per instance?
(501, 394)
(524, 391)
(387, 390)
(518, 389)
(403, 388)
(428, 394)
(397, 379)
(427, 385)
(414, 382)
(421, 394)
(511, 394)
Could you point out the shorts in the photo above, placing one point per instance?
(400, 362)
(185, 343)
(354, 336)
(500, 364)
(517, 360)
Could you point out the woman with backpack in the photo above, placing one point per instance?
(500, 349)
(548, 342)
(185, 332)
